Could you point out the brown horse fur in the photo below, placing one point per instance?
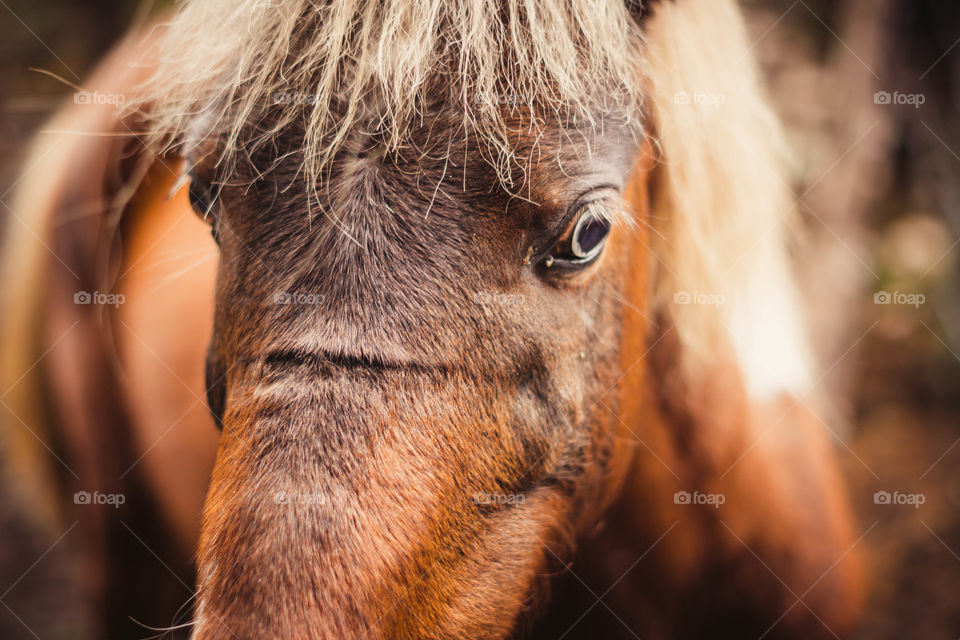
(438, 359)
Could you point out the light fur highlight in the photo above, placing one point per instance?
(721, 204)
(377, 65)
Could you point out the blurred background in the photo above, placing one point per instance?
(869, 92)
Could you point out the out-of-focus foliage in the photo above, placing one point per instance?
(869, 92)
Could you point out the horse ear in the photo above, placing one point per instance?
(719, 201)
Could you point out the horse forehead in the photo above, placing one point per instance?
(376, 204)
(546, 156)
(435, 191)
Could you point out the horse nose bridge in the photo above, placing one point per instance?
(305, 503)
(307, 566)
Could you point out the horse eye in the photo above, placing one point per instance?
(204, 203)
(583, 243)
(589, 235)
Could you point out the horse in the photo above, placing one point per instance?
(425, 319)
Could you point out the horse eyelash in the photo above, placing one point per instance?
(617, 211)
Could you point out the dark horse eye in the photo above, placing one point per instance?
(204, 202)
(589, 235)
(583, 242)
